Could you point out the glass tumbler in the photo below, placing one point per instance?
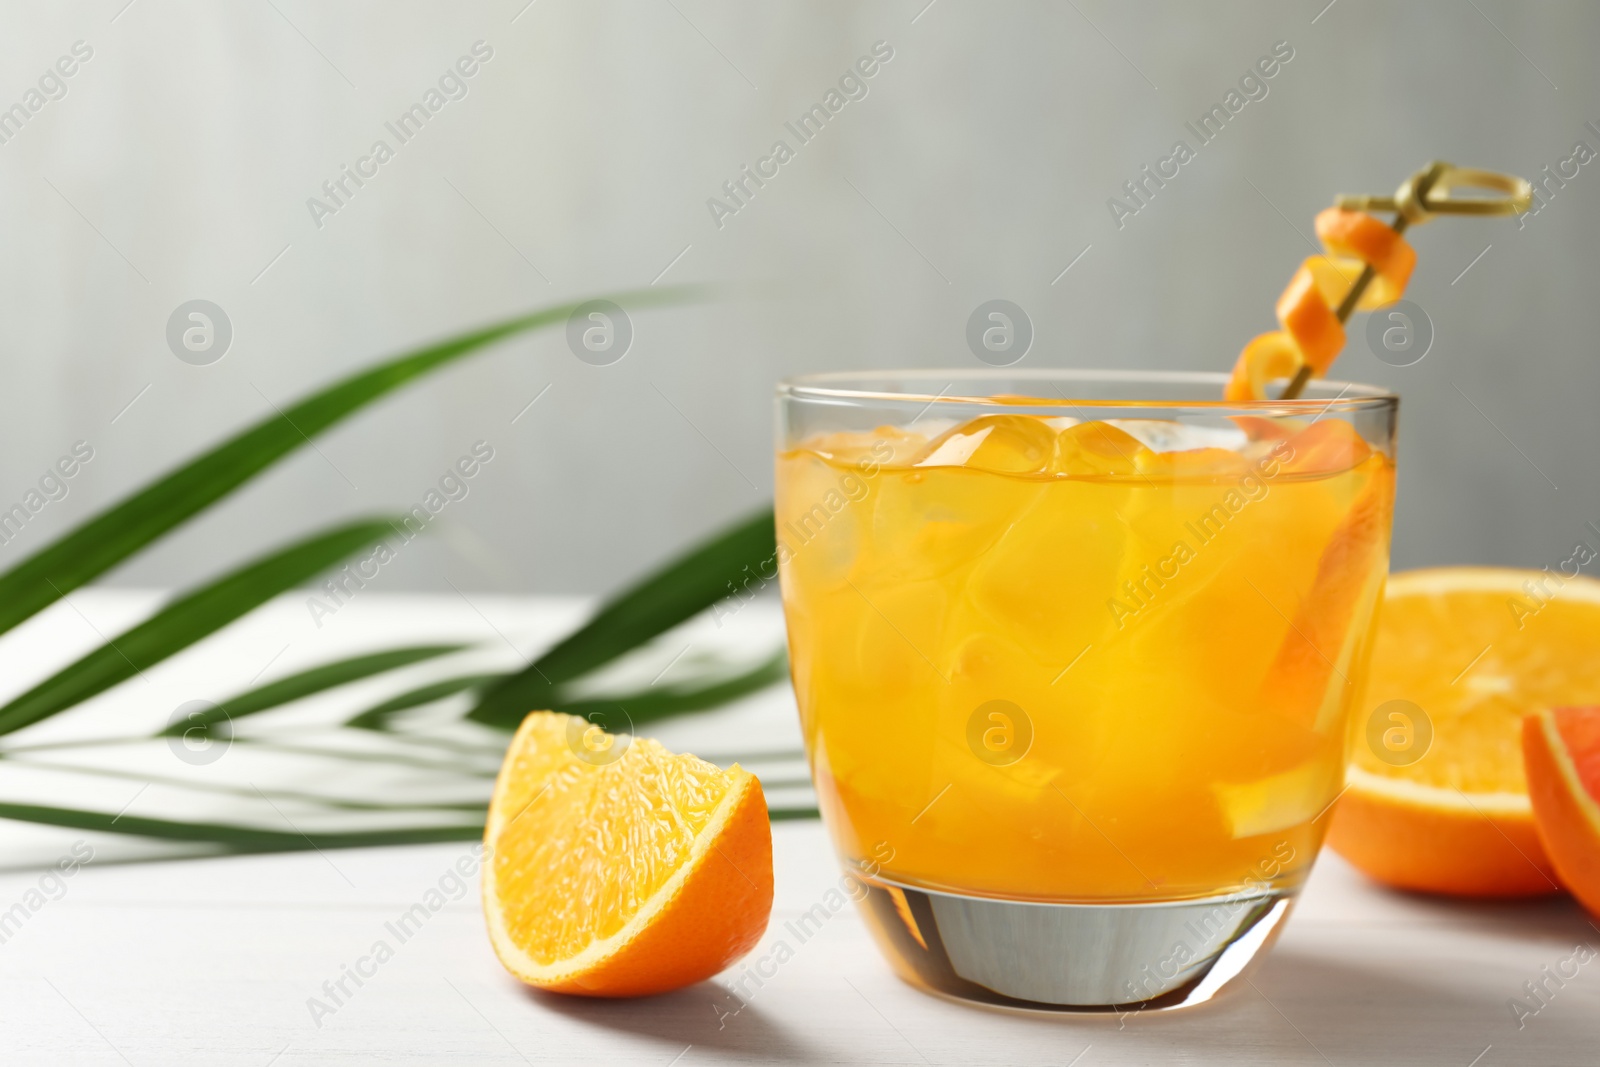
(1074, 653)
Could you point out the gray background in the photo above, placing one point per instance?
(178, 165)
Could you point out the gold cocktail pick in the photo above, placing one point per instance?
(1422, 196)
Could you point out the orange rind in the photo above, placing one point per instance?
(1561, 754)
(1312, 334)
(1465, 654)
(617, 868)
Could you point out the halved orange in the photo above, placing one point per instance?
(615, 875)
(1561, 752)
(1471, 651)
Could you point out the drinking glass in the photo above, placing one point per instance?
(1074, 653)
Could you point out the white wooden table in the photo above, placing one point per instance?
(213, 961)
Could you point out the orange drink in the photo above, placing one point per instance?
(1091, 660)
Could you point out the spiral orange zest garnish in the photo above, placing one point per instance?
(1312, 335)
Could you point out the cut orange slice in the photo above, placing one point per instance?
(1327, 446)
(617, 868)
(1463, 654)
(1561, 752)
(1310, 676)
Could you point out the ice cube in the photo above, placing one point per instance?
(1278, 802)
(1097, 448)
(1004, 444)
(1169, 435)
(881, 446)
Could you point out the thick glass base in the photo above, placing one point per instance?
(1073, 957)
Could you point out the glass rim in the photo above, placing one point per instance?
(835, 386)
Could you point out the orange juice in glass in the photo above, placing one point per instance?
(1074, 654)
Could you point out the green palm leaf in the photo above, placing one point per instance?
(733, 562)
(235, 838)
(626, 711)
(253, 792)
(678, 591)
(315, 680)
(188, 619)
(377, 716)
(123, 529)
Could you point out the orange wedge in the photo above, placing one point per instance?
(1471, 651)
(1327, 446)
(1561, 752)
(616, 875)
(1321, 642)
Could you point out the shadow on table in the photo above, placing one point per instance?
(703, 1015)
(1362, 1001)
(1379, 1011)
(1556, 918)
(1302, 1008)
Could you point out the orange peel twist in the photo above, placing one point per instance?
(1312, 335)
